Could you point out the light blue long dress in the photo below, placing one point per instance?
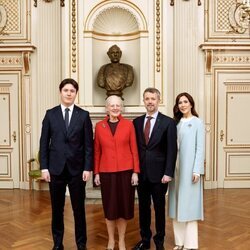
(185, 197)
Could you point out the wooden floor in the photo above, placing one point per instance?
(25, 222)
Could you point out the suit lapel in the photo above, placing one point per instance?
(154, 132)
(141, 128)
(59, 118)
(73, 119)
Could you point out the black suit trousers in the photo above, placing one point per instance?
(77, 195)
(148, 191)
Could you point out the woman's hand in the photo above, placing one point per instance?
(97, 180)
(134, 179)
(195, 178)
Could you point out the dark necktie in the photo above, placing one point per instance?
(66, 118)
(147, 129)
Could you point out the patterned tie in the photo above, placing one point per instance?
(147, 129)
(66, 118)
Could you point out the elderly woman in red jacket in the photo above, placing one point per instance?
(116, 169)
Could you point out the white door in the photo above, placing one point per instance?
(9, 130)
(233, 130)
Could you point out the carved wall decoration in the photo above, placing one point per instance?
(127, 20)
(224, 21)
(222, 10)
(158, 35)
(122, 16)
(225, 59)
(172, 2)
(11, 60)
(3, 19)
(13, 15)
(237, 23)
(48, 1)
(73, 36)
(14, 21)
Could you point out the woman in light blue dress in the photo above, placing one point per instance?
(186, 190)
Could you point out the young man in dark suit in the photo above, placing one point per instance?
(157, 146)
(66, 158)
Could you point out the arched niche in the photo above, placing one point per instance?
(123, 24)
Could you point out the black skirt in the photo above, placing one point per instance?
(117, 195)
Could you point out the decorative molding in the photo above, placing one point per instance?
(11, 60)
(129, 7)
(236, 87)
(4, 90)
(235, 54)
(122, 22)
(225, 59)
(73, 37)
(62, 4)
(209, 55)
(230, 171)
(225, 46)
(26, 61)
(21, 58)
(158, 35)
(172, 2)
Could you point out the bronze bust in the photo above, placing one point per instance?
(115, 76)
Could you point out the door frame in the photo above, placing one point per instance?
(222, 150)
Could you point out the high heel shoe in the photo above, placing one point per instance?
(178, 247)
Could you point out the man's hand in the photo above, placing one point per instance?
(46, 175)
(85, 175)
(165, 179)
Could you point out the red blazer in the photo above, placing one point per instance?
(115, 153)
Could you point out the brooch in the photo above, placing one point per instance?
(189, 125)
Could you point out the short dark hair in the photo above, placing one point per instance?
(69, 81)
(153, 91)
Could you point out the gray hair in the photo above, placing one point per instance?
(110, 98)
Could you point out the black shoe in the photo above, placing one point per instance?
(81, 247)
(141, 245)
(160, 247)
(58, 247)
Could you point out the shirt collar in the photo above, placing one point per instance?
(153, 115)
(71, 107)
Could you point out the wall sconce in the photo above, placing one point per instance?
(48, 1)
(172, 2)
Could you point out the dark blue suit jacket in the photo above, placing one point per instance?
(58, 146)
(159, 156)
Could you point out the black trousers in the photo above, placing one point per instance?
(77, 196)
(155, 191)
